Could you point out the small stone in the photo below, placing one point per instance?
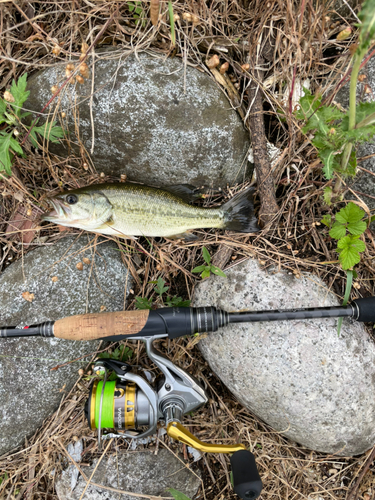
(213, 62)
(56, 50)
(79, 266)
(224, 68)
(86, 260)
(142, 473)
(8, 96)
(28, 296)
(55, 279)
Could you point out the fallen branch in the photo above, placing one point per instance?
(266, 186)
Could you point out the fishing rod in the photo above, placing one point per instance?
(177, 321)
(132, 405)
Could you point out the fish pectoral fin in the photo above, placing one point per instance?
(109, 222)
(187, 236)
(187, 192)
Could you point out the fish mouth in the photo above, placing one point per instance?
(59, 213)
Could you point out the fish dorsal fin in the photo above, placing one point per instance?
(187, 192)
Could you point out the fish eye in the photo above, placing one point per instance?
(71, 199)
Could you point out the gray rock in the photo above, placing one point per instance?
(155, 120)
(29, 390)
(343, 10)
(298, 376)
(136, 472)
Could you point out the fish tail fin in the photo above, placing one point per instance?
(239, 213)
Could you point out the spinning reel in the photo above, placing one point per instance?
(131, 407)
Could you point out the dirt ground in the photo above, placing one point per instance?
(288, 38)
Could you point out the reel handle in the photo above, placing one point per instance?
(246, 480)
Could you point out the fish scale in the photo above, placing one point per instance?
(159, 214)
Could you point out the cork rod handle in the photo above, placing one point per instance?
(100, 325)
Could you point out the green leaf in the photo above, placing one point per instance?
(218, 271)
(171, 21)
(326, 220)
(10, 119)
(205, 274)
(364, 113)
(349, 249)
(328, 158)
(206, 255)
(318, 116)
(160, 288)
(327, 195)
(351, 168)
(3, 105)
(143, 303)
(4, 478)
(18, 91)
(104, 355)
(350, 213)
(367, 28)
(198, 269)
(7, 142)
(338, 231)
(361, 134)
(177, 495)
(177, 302)
(49, 131)
(357, 228)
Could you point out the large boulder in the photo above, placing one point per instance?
(155, 119)
(140, 472)
(308, 383)
(29, 390)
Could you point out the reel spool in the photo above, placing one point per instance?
(131, 407)
(124, 406)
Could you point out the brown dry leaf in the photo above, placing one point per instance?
(19, 196)
(28, 296)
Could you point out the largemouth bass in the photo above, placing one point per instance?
(128, 210)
